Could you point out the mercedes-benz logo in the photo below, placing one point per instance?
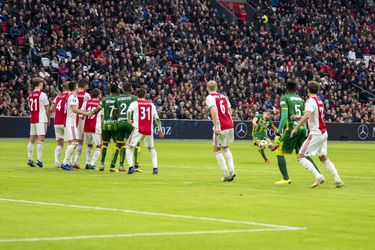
(241, 130)
(362, 132)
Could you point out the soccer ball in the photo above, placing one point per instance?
(263, 144)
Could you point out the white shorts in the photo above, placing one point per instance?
(38, 128)
(136, 137)
(59, 132)
(93, 138)
(70, 133)
(223, 139)
(81, 124)
(315, 145)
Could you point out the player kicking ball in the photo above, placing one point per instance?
(93, 129)
(141, 114)
(316, 142)
(220, 110)
(260, 139)
(39, 119)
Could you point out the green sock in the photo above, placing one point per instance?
(114, 159)
(122, 156)
(104, 153)
(137, 154)
(310, 159)
(282, 166)
(261, 151)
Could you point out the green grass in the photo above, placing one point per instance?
(189, 184)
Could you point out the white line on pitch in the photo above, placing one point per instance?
(155, 214)
(82, 237)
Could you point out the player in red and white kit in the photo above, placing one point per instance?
(59, 108)
(83, 97)
(93, 129)
(39, 119)
(316, 142)
(220, 110)
(71, 130)
(141, 114)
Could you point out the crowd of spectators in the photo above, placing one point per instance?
(173, 47)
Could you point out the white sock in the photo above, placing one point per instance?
(69, 153)
(39, 150)
(30, 151)
(228, 155)
(78, 154)
(309, 166)
(223, 165)
(129, 156)
(332, 169)
(154, 158)
(57, 154)
(88, 154)
(96, 156)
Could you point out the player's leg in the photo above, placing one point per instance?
(228, 139)
(70, 133)
(30, 146)
(137, 157)
(301, 137)
(220, 158)
(120, 135)
(106, 138)
(87, 139)
(283, 147)
(59, 133)
(80, 144)
(41, 129)
(98, 142)
(149, 143)
(133, 140)
(260, 149)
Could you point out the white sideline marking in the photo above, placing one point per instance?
(105, 236)
(280, 227)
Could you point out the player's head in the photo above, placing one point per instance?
(72, 86)
(38, 83)
(291, 86)
(267, 114)
(127, 87)
(96, 93)
(83, 83)
(114, 89)
(141, 93)
(65, 86)
(313, 87)
(212, 86)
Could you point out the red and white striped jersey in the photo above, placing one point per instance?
(83, 97)
(37, 102)
(92, 124)
(316, 122)
(222, 105)
(71, 117)
(144, 112)
(60, 108)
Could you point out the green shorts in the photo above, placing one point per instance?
(107, 135)
(289, 144)
(123, 131)
(259, 136)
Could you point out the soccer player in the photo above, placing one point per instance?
(83, 97)
(59, 108)
(260, 125)
(39, 119)
(291, 104)
(140, 114)
(316, 142)
(124, 128)
(71, 130)
(93, 129)
(220, 110)
(108, 104)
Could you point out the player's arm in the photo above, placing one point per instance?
(48, 112)
(255, 120)
(214, 116)
(284, 115)
(302, 122)
(275, 129)
(95, 111)
(76, 110)
(158, 123)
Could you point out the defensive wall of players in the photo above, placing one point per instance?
(14, 127)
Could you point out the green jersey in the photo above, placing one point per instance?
(295, 106)
(122, 105)
(262, 125)
(108, 105)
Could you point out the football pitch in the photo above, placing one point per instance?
(186, 206)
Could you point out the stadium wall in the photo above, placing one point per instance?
(18, 127)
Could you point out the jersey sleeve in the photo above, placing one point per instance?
(228, 103)
(73, 101)
(84, 106)
(309, 106)
(132, 107)
(86, 97)
(210, 101)
(283, 104)
(44, 99)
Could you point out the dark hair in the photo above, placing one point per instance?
(141, 93)
(72, 85)
(291, 86)
(114, 89)
(95, 93)
(37, 81)
(82, 83)
(65, 85)
(313, 87)
(127, 87)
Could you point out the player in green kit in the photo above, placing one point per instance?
(109, 121)
(260, 139)
(291, 105)
(124, 128)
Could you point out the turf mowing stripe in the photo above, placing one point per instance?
(155, 214)
(105, 236)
